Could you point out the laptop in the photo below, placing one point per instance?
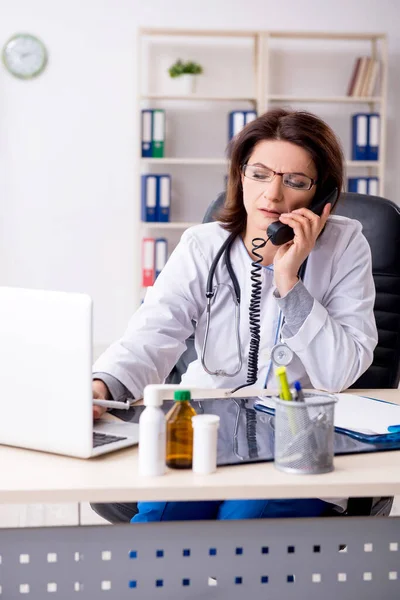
(45, 376)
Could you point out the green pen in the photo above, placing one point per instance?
(284, 385)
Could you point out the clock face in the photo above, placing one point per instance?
(24, 56)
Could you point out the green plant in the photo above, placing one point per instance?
(181, 68)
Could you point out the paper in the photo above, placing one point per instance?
(365, 415)
(360, 414)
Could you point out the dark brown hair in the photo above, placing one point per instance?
(298, 127)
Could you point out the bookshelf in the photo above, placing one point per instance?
(266, 78)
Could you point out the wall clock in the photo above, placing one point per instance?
(24, 55)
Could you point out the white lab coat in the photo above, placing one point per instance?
(333, 347)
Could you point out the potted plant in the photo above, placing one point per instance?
(186, 72)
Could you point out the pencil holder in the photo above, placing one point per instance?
(304, 434)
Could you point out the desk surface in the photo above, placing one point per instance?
(30, 476)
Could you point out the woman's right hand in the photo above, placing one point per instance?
(101, 392)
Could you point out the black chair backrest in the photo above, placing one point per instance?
(380, 219)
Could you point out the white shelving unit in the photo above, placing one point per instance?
(377, 50)
(261, 94)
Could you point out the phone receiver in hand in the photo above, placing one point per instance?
(279, 233)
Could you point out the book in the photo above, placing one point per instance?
(365, 83)
(373, 78)
(353, 77)
(361, 74)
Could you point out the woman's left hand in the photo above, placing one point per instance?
(307, 226)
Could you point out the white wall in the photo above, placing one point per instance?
(67, 140)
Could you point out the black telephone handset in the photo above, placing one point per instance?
(279, 233)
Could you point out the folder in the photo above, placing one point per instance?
(163, 198)
(149, 197)
(373, 186)
(161, 253)
(158, 133)
(236, 122)
(359, 136)
(249, 116)
(373, 136)
(147, 133)
(359, 185)
(148, 261)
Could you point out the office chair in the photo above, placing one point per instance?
(380, 219)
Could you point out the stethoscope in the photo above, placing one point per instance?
(210, 295)
(281, 354)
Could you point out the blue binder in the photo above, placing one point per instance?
(149, 197)
(249, 116)
(373, 136)
(359, 147)
(373, 186)
(163, 198)
(359, 185)
(147, 133)
(236, 122)
(161, 253)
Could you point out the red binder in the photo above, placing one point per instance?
(148, 261)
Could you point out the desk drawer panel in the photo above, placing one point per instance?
(327, 558)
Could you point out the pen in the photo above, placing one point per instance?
(285, 394)
(112, 404)
(299, 392)
(284, 385)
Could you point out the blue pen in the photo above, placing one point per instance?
(299, 392)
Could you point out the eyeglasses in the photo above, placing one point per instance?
(294, 181)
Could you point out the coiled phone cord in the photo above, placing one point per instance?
(251, 429)
(254, 313)
(251, 432)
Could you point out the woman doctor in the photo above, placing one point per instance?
(281, 163)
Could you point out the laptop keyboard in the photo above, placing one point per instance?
(100, 439)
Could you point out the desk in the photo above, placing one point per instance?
(114, 478)
(267, 559)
